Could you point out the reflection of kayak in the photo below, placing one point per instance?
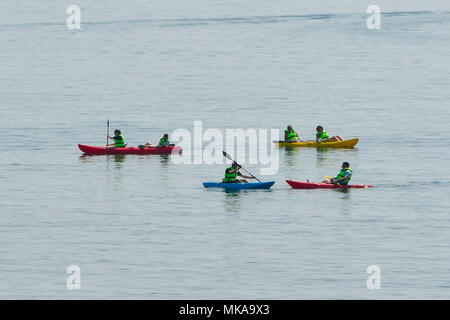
(311, 185)
(239, 186)
(91, 150)
(335, 144)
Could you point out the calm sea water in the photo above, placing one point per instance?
(143, 227)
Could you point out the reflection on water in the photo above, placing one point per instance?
(345, 207)
(164, 160)
(84, 158)
(118, 160)
(291, 156)
(322, 150)
(232, 200)
(345, 192)
(115, 177)
(321, 155)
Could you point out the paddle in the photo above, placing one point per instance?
(107, 131)
(226, 155)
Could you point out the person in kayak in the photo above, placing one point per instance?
(323, 136)
(164, 141)
(344, 176)
(231, 174)
(119, 140)
(290, 135)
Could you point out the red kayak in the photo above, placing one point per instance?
(312, 185)
(91, 150)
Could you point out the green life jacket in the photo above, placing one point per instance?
(291, 135)
(230, 177)
(120, 143)
(322, 135)
(162, 141)
(342, 174)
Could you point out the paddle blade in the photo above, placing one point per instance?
(226, 155)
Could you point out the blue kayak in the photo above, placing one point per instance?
(239, 186)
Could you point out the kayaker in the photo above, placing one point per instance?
(164, 141)
(290, 135)
(119, 140)
(344, 175)
(231, 174)
(323, 136)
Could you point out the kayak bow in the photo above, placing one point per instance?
(239, 186)
(312, 185)
(91, 150)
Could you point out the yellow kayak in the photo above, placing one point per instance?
(335, 144)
